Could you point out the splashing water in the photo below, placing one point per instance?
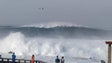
(26, 46)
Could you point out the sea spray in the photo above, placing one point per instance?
(13, 42)
(22, 45)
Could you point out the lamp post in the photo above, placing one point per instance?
(109, 50)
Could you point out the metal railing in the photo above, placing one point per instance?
(9, 60)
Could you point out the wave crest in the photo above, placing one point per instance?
(55, 24)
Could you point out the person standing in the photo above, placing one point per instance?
(13, 58)
(33, 58)
(62, 59)
(57, 60)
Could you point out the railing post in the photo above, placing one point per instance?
(19, 61)
(24, 61)
(2, 59)
(30, 61)
(36, 61)
(8, 60)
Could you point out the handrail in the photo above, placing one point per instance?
(19, 60)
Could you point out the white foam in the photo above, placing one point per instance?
(53, 24)
(26, 46)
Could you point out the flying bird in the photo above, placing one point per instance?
(41, 8)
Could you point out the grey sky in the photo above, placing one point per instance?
(92, 13)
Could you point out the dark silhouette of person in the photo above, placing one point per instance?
(102, 61)
(57, 60)
(62, 59)
(13, 58)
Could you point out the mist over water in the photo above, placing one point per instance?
(24, 45)
(18, 43)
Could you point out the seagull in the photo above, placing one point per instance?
(41, 8)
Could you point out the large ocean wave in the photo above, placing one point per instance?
(62, 41)
(58, 32)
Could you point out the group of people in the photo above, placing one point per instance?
(57, 60)
(14, 58)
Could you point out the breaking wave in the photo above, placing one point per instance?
(23, 46)
(58, 32)
(54, 24)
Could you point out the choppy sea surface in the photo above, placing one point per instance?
(76, 44)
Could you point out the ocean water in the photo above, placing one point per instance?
(76, 44)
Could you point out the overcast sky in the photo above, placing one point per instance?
(92, 13)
